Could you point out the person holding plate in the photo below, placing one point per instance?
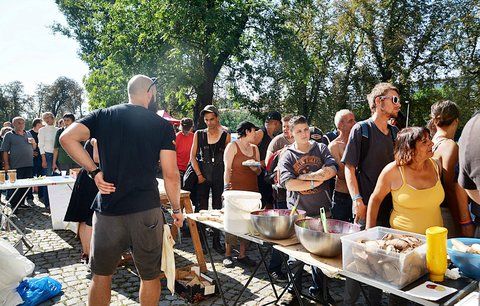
(242, 166)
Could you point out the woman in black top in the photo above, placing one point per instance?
(79, 209)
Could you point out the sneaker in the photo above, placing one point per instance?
(318, 294)
(246, 261)
(228, 262)
(219, 249)
(279, 277)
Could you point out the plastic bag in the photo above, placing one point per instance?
(13, 266)
(37, 290)
(9, 296)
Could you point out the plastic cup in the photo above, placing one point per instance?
(12, 176)
(64, 173)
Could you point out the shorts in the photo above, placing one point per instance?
(113, 235)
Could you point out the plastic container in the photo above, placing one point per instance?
(468, 264)
(437, 252)
(238, 206)
(394, 269)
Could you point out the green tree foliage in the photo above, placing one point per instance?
(13, 101)
(64, 95)
(184, 43)
(310, 57)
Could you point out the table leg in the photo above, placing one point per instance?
(197, 245)
(213, 267)
(251, 277)
(268, 272)
(298, 292)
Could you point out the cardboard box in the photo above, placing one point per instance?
(194, 286)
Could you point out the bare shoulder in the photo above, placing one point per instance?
(391, 170)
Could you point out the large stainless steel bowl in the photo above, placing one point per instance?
(275, 223)
(311, 235)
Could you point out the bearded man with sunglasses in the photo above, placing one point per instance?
(131, 139)
(368, 151)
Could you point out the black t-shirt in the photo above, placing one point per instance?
(35, 136)
(263, 145)
(130, 138)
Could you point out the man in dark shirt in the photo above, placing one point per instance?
(37, 159)
(61, 160)
(469, 163)
(127, 208)
(363, 167)
(263, 137)
(17, 150)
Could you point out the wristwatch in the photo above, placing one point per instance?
(92, 173)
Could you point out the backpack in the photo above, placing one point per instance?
(365, 144)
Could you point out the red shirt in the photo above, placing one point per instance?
(184, 144)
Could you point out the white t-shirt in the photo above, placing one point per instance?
(46, 138)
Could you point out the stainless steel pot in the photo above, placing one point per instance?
(275, 223)
(311, 235)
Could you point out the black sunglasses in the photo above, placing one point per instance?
(153, 83)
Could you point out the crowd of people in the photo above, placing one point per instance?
(35, 152)
(372, 172)
(369, 172)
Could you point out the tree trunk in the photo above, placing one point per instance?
(204, 93)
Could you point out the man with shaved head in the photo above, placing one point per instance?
(131, 139)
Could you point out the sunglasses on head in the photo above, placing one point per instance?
(395, 99)
(153, 83)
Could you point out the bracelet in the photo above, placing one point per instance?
(199, 174)
(466, 223)
(176, 211)
(356, 197)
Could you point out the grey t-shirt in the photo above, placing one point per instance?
(380, 153)
(469, 154)
(21, 151)
(278, 143)
(294, 163)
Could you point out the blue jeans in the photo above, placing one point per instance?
(296, 266)
(48, 172)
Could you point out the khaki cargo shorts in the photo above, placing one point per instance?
(141, 232)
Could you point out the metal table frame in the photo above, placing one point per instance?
(463, 284)
(258, 242)
(6, 220)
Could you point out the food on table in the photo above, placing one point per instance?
(435, 287)
(211, 215)
(461, 247)
(397, 265)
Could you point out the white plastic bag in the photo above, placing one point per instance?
(13, 266)
(9, 296)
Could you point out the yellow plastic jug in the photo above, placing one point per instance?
(437, 252)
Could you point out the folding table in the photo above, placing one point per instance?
(6, 216)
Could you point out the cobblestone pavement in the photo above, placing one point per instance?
(57, 254)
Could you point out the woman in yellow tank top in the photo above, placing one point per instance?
(414, 181)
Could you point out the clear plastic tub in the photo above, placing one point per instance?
(394, 269)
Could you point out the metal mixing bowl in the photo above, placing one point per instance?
(311, 235)
(275, 223)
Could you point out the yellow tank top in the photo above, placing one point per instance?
(415, 210)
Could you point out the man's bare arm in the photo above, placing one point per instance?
(168, 160)
(321, 175)
(71, 141)
(171, 176)
(6, 162)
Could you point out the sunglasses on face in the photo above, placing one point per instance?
(395, 99)
(153, 83)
